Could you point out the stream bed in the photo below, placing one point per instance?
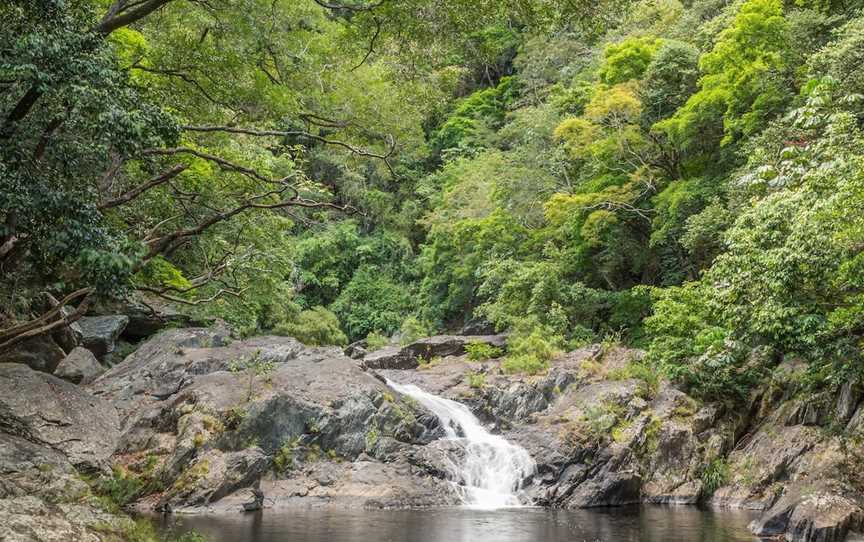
(459, 524)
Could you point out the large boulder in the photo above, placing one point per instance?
(389, 357)
(99, 334)
(148, 315)
(438, 346)
(450, 345)
(40, 353)
(59, 415)
(79, 367)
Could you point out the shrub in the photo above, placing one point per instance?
(372, 301)
(317, 327)
(530, 348)
(376, 341)
(412, 329)
(120, 489)
(525, 363)
(476, 380)
(715, 475)
(480, 351)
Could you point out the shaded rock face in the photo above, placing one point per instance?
(99, 334)
(79, 367)
(40, 353)
(409, 357)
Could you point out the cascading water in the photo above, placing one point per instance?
(491, 470)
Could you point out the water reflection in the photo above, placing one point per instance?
(647, 524)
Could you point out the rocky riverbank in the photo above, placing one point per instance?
(194, 418)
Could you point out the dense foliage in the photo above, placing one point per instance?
(688, 176)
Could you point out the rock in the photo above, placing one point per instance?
(50, 412)
(27, 468)
(40, 353)
(214, 475)
(30, 519)
(67, 336)
(100, 333)
(389, 357)
(478, 327)
(814, 410)
(611, 489)
(357, 350)
(761, 459)
(218, 424)
(408, 357)
(450, 345)
(148, 315)
(79, 367)
(847, 401)
(813, 512)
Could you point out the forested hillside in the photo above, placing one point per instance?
(683, 176)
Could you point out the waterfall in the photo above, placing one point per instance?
(491, 471)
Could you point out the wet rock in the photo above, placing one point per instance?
(610, 489)
(100, 333)
(79, 367)
(40, 353)
(51, 412)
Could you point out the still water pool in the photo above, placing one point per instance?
(643, 524)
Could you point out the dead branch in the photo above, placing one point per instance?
(46, 322)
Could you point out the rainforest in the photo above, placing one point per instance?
(319, 270)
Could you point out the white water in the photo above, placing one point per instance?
(492, 470)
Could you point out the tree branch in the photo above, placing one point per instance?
(43, 324)
(282, 133)
(121, 14)
(138, 190)
(349, 7)
(371, 44)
